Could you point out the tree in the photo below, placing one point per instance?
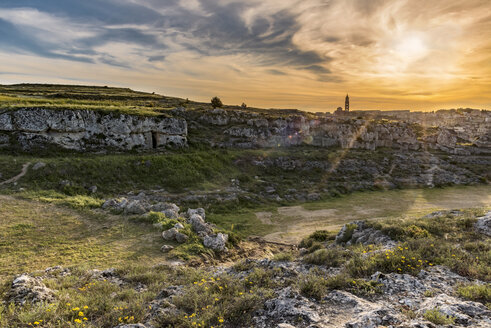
(243, 105)
(216, 102)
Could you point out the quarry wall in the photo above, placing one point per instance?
(89, 130)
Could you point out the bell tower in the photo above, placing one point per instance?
(346, 104)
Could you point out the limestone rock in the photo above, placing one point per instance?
(136, 207)
(216, 242)
(359, 233)
(181, 238)
(166, 248)
(288, 307)
(200, 211)
(27, 289)
(483, 224)
(170, 234)
(38, 165)
(199, 225)
(92, 130)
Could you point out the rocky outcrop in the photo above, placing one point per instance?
(29, 289)
(87, 130)
(359, 232)
(483, 224)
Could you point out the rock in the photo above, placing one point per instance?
(359, 233)
(27, 289)
(465, 312)
(178, 226)
(199, 225)
(181, 238)
(216, 242)
(483, 224)
(171, 214)
(38, 165)
(65, 183)
(400, 284)
(285, 325)
(374, 319)
(91, 130)
(136, 207)
(93, 189)
(200, 211)
(287, 307)
(170, 234)
(166, 248)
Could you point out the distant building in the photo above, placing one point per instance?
(340, 111)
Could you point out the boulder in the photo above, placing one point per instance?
(181, 238)
(200, 211)
(464, 312)
(483, 224)
(38, 165)
(28, 289)
(358, 232)
(288, 307)
(216, 242)
(170, 234)
(166, 248)
(136, 207)
(199, 225)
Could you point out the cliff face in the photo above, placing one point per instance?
(244, 129)
(89, 130)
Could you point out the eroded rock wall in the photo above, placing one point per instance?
(89, 130)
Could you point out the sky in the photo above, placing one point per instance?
(306, 54)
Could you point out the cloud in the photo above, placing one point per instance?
(371, 46)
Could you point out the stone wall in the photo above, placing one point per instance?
(89, 130)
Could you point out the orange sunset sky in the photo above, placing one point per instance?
(306, 54)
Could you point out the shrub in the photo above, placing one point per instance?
(283, 257)
(414, 231)
(313, 286)
(331, 257)
(216, 102)
(438, 318)
(317, 236)
(477, 293)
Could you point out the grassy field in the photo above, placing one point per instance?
(35, 235)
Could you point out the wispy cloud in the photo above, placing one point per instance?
(314, 49)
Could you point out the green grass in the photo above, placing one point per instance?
(36, 235)
(172, 171)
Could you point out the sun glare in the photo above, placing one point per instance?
(412, 47)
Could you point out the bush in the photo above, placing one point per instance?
(283, 257)
(414, 231)
(477, 293)
(438, 318)
(317, 236)
(331, 257)
(313, 286)
(216, 102)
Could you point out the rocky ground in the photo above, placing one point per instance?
(297, 289)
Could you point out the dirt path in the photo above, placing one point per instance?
(292, 223)
(23, 172)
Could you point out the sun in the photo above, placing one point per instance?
(411, 47)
